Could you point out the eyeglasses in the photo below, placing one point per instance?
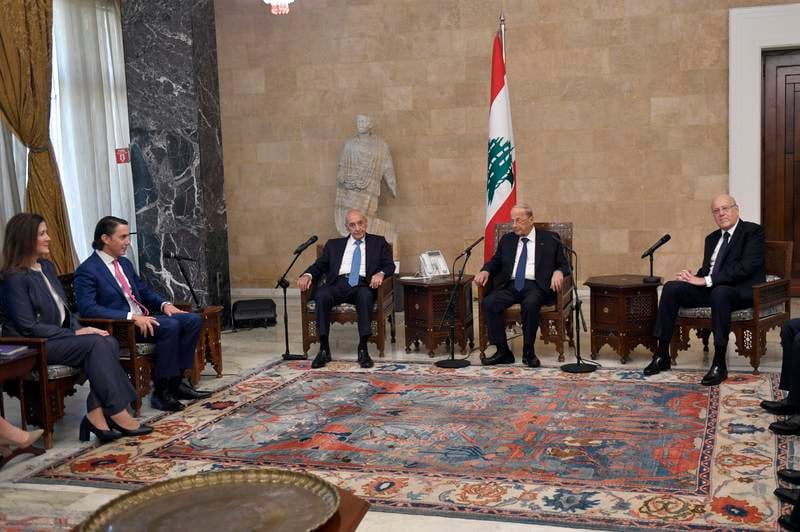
(723, 209)
(517, 221)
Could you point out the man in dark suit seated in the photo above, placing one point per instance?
(528, 267)
(733, 261)
(107, 286)
(353, 268)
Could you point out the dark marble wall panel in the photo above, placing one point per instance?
(176, 146)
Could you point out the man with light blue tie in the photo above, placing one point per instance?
(528, 267)
(353, 268)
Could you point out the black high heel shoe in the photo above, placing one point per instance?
(141, 431)
(104, 436)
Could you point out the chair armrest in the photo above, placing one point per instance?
(102, 321)
(22, 340)
(307, 295)
(564, 296)
(769, 294)
(385, 290)
(121, 329)
(183, 306)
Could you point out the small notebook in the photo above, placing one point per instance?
(8, 350)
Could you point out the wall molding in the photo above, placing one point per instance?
(752, 30)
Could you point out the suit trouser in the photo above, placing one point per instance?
(531, 299)
(176, 340)
(98, 358)
(722, 299)
(790, 367)
(361, 295)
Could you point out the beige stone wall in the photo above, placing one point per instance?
(619, 109)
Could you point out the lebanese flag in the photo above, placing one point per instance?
(501, 181)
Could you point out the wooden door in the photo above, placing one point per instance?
(780, 152)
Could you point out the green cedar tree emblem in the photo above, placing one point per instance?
(499, 166)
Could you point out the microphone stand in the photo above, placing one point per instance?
(450, 313)
(650, 279)
(196, 307)
(284, 284)
(579, 366)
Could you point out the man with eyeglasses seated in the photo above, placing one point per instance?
(353, 267)
(528, 267)
(733, 261)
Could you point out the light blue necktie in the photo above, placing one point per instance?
(352, 279)
(519, 275)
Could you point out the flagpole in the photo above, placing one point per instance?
(503, 34)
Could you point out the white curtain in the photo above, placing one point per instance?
(13, 175)
(89, 116)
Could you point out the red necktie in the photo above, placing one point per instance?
(126, 288)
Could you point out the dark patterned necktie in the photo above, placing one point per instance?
(519, 275)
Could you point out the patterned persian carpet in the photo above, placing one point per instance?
(606, 450)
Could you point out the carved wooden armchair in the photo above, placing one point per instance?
(44, 399)
(771, 308)
(136, 358)
(555, 321)
(382, 312)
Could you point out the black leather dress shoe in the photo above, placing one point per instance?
(657, 365)
(788, 495)
(364, 359)
(140, 431)
(185, 390)
(715, 376)
(791, 521)
(780, 408)
(164, 400)
(792, 476)
(322, 358)
(500, 357)
(530, 359)
(788, 427)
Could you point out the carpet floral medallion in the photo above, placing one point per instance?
(606, 450)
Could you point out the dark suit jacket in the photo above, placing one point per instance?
(30, 308)
(549, 257)
(100, 296)
(379, 258)
(742, 263)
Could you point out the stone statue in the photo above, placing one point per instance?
(365, 161)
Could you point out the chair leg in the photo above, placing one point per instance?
(482, 338)
(704, 334)
(747, 345)
(380, 340)
(392, 325)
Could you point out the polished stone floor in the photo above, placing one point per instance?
(248, 349)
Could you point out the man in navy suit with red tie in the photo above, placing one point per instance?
(107, 286)
(528, 267)
(733, 261)
(353, 268)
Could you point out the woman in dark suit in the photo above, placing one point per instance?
(34, 302)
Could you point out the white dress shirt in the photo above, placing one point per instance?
(530, 265)
(135, 310)
(716, 250)
(347, 259)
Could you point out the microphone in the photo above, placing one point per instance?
(470, 247)
(175, 256)
(661, 241)
(305, 244)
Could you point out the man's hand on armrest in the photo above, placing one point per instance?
(145, 324)
(304, 282)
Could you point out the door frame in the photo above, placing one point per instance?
(752, 30)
